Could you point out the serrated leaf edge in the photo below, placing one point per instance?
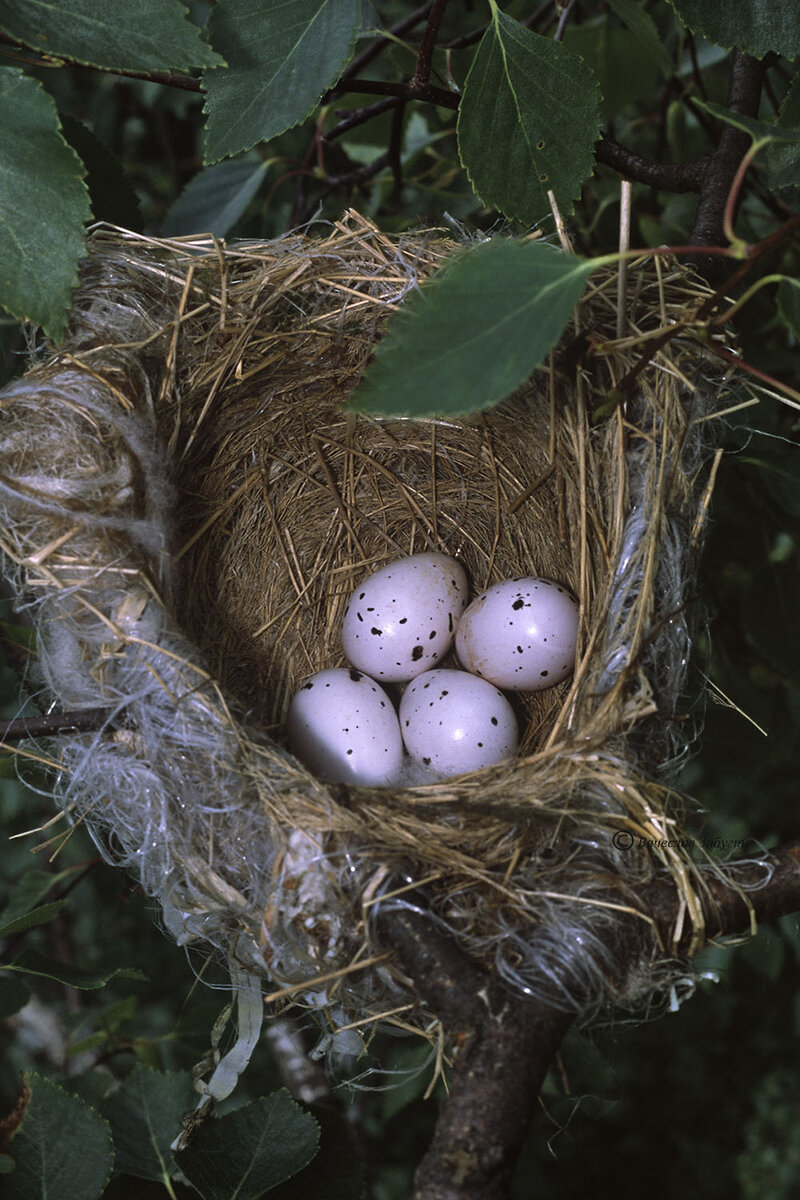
(586, 171)
(85, 62)
(208, 104)
(56, 332)
(27, 1077)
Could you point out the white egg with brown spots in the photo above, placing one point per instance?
(520, 634)
(453, 722)
(343, 727)
(401, 620)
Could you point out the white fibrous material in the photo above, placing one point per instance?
(175, 793)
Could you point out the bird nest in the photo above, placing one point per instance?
(187, 506)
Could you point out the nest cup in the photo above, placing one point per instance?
(187, 507)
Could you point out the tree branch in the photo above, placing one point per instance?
(747, 76)
(377, 47)
(83, 720)
(503, 1043)
(360, 115)
(502, 1046)
(426, 48)
(405, 91)
(668, 177)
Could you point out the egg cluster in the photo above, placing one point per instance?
(399, 624)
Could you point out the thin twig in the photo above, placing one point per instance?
(426, 47)
(624, 245)
(360, 116)
(747, 74)
(667, 177)
(83, 720)
(362, 60)
(561, 28)
(395, 151)
(405, 91)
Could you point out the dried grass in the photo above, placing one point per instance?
(186, 507)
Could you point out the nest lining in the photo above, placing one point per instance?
(187, 508)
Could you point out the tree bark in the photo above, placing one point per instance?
(503, 1043)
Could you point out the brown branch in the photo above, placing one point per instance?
(361, 115)
(668, 177)
(502, 1047)
(503, 1043)
(362, 60)
(395, 151)
(84, 720)
(426, 47)
(405, 91)
(744, 94)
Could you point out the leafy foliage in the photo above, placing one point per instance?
(761, 132)
(215, 198)
(783, 161)
(474, 332)
(144, 1115)
(74, 976)
(149, 35)
(251, 1150)
(527, 122)
(122, 1044)
(757, 26)
(60, 1147)
(38, 258)
(281, 59)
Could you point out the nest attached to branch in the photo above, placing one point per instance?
(186, 508)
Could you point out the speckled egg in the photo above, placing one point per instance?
(343, 727)
(401, 620)
(453, 722)
(520, 634)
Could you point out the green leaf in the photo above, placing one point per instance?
(83, 978)
(335, 1173)
(37, 916)
(623, 69)
(760, 131)
(765, 953)
(8, 767)
(770, 611)
(789, 303)
(474, 331)
(29, 890)
(61, 1147)
(13, 996)
(214, 200)
(643, 28)
(43, 206)
(527, 122)
(755, 26)
(18, 635)
(783, 161)
(145, 1118)
(110, 190)
(249, 1151)
(149, 35)
(282, 56)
